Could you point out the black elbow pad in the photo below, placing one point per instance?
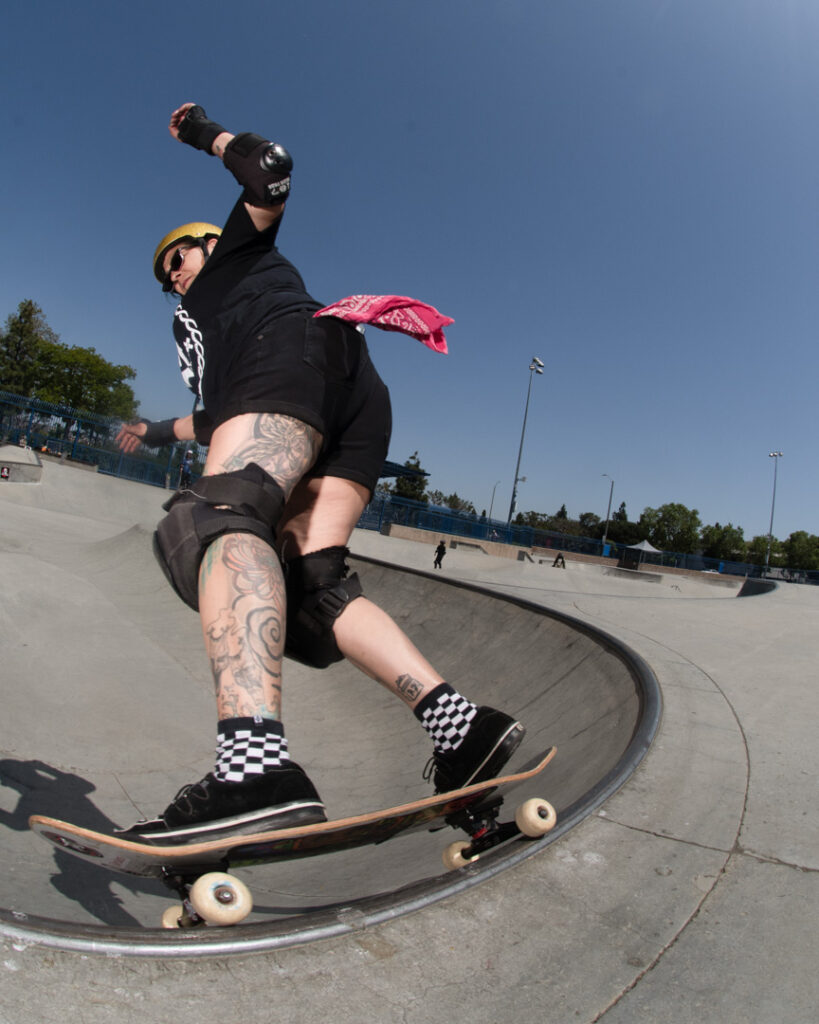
(261, 167)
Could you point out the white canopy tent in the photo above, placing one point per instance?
(631, 561)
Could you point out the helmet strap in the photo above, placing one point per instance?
(203, 245)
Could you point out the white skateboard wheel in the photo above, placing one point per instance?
(220, 898)
(172, 918)
(535, 817)
(453, 857)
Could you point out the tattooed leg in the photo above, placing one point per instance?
(284, 447)
(241, 590)
(242, 605)
(369, 638)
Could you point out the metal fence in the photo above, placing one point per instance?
(388, 508)
(83, 437)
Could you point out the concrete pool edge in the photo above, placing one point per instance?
(370, 911)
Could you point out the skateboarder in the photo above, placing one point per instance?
(297, 422)
(440, 551)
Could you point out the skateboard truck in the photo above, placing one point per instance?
(533, 818)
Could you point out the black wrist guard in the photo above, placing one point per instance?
(262, 168)
(158, 433)
(197, 130)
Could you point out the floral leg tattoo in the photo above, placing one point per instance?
(241, 589)
(284, 447)
(244, 636)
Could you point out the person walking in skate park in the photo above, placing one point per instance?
(297, 423)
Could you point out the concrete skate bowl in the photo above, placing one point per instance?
(147, 709)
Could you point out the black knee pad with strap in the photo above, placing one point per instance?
(246, 501)
(318, 591)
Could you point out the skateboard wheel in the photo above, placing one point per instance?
(454, 856)
(535, 817)
(220, 898)
(172, 918)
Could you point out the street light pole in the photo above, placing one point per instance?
(776, 456)
(536, 366)
(608, 511)
(492, 502)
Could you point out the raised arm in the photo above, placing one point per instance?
(261, 167)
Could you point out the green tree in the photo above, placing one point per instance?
(412, 485)
(622, 531)
(620, 516)
(535, 520)
(35, 363)
(758, 547)
(453, 501)
(21, 342)
(724, 542)
(568, 527)
(81, 378)
(801, 551)
(562, 513)
(590, 524)
(672, 527)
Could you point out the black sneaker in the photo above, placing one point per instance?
(282, 797)
(491, 740)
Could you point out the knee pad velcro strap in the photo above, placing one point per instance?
(246, 501)
(318, 591)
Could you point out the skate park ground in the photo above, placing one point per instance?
(688, 895)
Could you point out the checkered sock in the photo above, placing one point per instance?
(248, 746)
(446, 715)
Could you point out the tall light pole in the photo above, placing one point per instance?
(776, 456)
(492, 502)
(536, 366)
(608, 511)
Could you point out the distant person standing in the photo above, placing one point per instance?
(440, 551)
(185, 470)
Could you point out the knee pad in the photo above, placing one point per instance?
(246, 501)
(318, 591)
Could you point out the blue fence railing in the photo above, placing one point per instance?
(389, 508)
(84, 437)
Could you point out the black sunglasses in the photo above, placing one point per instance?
(177, 260)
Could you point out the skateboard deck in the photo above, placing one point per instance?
(473, 809)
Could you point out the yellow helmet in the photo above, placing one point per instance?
(195, 231)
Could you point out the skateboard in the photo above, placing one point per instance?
(198, 872)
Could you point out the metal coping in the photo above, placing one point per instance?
(23, 929)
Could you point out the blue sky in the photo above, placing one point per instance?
(625, 188)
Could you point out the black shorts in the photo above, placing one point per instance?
(316, 370)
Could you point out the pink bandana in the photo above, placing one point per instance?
(394, 313)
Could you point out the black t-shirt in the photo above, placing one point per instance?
(244, 286)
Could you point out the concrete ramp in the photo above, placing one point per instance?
(19, 465)
(108, 711)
